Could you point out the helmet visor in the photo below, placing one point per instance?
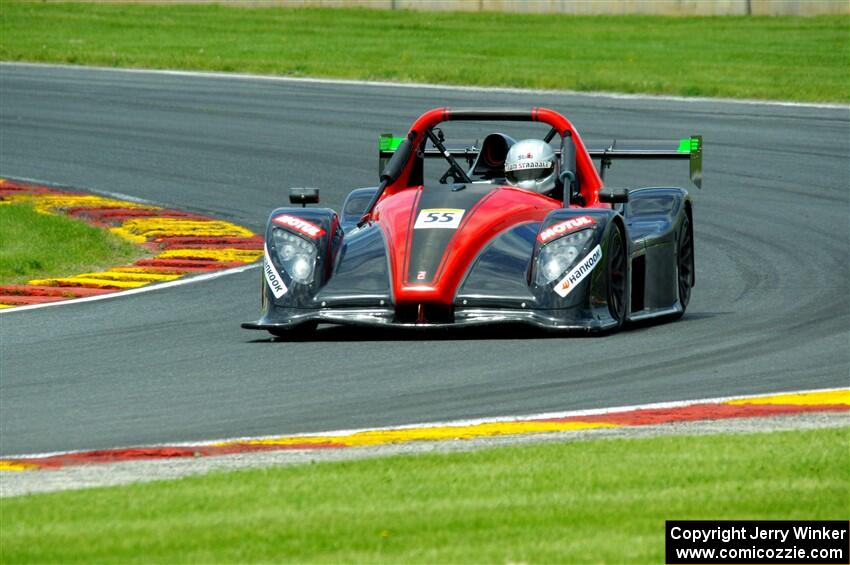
(518, 176)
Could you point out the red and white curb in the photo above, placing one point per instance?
(826, 401)
(182, 245)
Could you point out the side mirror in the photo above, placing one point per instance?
(304, 196)
(614, 196)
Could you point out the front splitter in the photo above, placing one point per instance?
(557, 320)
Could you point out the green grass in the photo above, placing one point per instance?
(581, 502)
(34, 245)
(785, 58)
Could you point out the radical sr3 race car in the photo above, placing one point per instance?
(473, 248)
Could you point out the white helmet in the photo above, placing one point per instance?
(530, 164)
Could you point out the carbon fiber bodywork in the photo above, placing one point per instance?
(408, 253)
(353, 284)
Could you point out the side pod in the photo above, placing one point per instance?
(655, 217)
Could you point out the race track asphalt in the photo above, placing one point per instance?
(770, 312)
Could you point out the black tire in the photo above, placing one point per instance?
(615, 272)
(295, 333)
(685, 262)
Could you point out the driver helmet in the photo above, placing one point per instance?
(530, 164)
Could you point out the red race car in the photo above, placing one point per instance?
(502, 231)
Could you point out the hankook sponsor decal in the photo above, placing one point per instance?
(565, 227)
(273, 278)
(445, 218)
(579, 272)
(302, 226)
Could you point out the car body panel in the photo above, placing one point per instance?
(412, 254)
(428, 263)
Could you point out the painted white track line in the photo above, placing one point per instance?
(140, 290)
(458, 423)
(422, 85)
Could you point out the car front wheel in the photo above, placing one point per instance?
(616, 274)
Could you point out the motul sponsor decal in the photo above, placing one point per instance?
(273, 278)
(299, 225)
(579, 272)
(565, 227)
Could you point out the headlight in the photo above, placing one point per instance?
(297, 256)
(557, 257)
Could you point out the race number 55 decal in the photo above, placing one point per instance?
(445, 218)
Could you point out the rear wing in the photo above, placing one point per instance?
(689, 148)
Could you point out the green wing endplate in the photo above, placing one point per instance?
(387, 144)
(693, 146)
(690, 144)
